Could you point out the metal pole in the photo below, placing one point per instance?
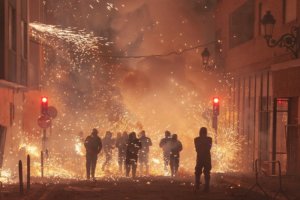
(274, 139)
(42, 164)
(280, 176)
(44, 140)
(216, 137)
(21, 177)
(297, 42)
(28, 172)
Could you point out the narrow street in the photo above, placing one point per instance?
(160, 188)
(164, 88)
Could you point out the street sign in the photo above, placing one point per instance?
(44, 121)
(52, 112)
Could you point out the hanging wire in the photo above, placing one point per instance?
(157, 55)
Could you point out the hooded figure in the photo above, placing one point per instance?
(144, 152)
(108, 146)
(165, 145)
(133, 147)
(203, 145)
(121, 144)
(176, 148)
(93, 146)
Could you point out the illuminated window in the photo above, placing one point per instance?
(12, 26)
(289, 10)
(241, 24)
(260, 26)
(24, 38)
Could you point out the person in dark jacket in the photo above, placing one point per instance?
(93, 146)
(165, 145)
(203, 145)
(133, 147)
(144, 152)
(121, 144)
(108, 145)
(176, 148)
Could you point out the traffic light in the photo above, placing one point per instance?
(216, 106)
(44, 105)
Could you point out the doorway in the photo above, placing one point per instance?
(2, 143)
(280, 133)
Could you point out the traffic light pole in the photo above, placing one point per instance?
(44, 140)
(216, 111)
(216, 136)
(216, 130)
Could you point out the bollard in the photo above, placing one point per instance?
(1, 186)
(42, 164)
(28, 172)
(21, 177)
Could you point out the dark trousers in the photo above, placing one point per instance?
(91, 161)
(166, 160)
(121, 160)
(131, 164)
(174, 164)
(108, 158)
(202, 166)
(144, 161)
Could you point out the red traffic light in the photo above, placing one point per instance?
(44, 106)
(44, 99)
(216, 106)
(216, 100)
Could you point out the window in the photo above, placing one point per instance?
(12, 113)
(289, 10)
(242, 24)
(12, 26)
(219, 48)
(24, 39)
(2, 39)
(2, 143)
(260, 26)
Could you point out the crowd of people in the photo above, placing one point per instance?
(134, 150)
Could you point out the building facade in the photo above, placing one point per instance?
(20, 67)
(264, 97)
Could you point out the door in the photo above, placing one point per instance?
(280, 134)
(2, 143)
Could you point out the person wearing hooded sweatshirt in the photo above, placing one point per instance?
(164, 144)
(203, 144)
(144, 152)
(108, 146)
(93, 146)
(176, 148)
(133, 147)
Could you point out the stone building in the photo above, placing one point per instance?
(20, 69)
(264, 97)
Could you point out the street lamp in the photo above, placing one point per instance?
(288, 40)
(205, 57)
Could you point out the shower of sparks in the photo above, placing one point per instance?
(81, 43)
(100, 103)
(83, 40)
